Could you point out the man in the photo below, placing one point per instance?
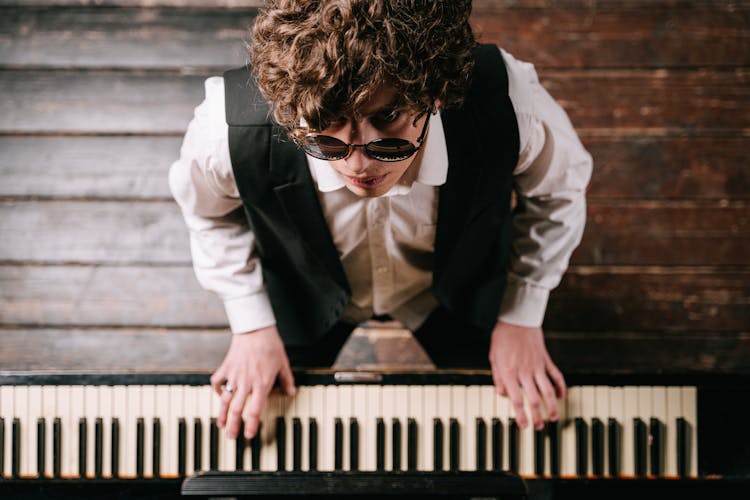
(381, 186)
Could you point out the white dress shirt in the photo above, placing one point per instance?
(386, 244)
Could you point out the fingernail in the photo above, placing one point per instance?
(293, 391)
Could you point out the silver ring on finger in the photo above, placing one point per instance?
(228, 388)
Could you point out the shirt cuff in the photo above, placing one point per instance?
(249, 313)
(523, 304)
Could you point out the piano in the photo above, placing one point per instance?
(432, 433)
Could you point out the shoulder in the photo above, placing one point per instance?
(523, 83)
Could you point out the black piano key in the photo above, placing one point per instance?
(411, 444)
(656, 446)
(280, 443)
(553, 434)
(438, 440)
(15, 465)
(156, 447)
(255, 446)
(640, 437)
(213, 444)
(614, 442)
(140, 431)
(481, 433)
(98, 447)
(380, 444)
(338, 444)
(296, 444)
(239, 448)
(683, 433)
(197, 445)
(539, 442)
(396, 435)
(497, 444)
(40, 440)
(597, 447)
(181, 447)
(454, 445)
(582, 447)
(513, 445)
(353, 444)
(57, 447)
(313, 444)
(115, 459)
(82, 459)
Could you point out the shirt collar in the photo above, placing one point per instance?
(433, 164)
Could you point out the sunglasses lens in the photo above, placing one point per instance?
(325, 147)
(390, 149)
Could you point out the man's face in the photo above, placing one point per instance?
(365, 176)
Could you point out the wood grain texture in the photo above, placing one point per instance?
(609, 102)
(645, 168)
(87, 167)
(584, 35)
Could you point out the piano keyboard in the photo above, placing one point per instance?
(146, 431)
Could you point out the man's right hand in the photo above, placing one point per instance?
(249, 370)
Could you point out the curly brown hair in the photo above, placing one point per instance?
(321, 60)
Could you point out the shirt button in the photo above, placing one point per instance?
(381, 269)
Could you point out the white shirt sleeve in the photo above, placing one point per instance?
(550, 182)
(221, 242)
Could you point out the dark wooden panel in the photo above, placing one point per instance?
(651, 299)
(135, 232)
(93, 167)
(132, 38)
(654, 234)
(589, 299)
(155, 296)
(590, 37)
(669, 168)
(554, 36)
(631, 102)
(89, 232)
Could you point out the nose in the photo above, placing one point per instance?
(357, 161)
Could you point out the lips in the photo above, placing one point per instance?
(367, 182)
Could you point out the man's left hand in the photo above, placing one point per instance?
(522, 367)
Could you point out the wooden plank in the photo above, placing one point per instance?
(654, 234)
(590, 37)
(588, 299)
(135, 167)
(651, 299)
(154, 296)
(128, 38)
(669, 168)
(120, 232)
(601, 102)
(551, 37)
(87, 167)
(201, 351)
(133, 232)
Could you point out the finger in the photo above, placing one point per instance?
(286, 378)
(499, 386)
(217, 380)
(225, 399)
(516, 400)
(548, 394)
(557, 377)
(234, 415)
(254, 409)
(534, 401)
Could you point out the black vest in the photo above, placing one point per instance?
(302, 272)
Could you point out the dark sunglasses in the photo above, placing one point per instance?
(325, 147)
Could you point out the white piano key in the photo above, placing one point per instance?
(487, 398)
(617, 411)
(427, 435)
(473, 408)
(326, 430)
(21, 411)
(120, 411)
(690, 414)
(189, 413)
(401, 405)
(359, 411)
(659, 411)
(388, 412)
(6, 412)
(91, 412)
(204, 396)
(573, 410)
(148, 411)
(304, 409)
(318, 411)
(373, 399)
(588, 411)
(69, 431)
(106, 408)
(526, 444)
(601, 411)
(416, 400)
(674, 411)
(162, 402)
(345, 412)
(129, 431)
(645, 411)
(445, 410)
(562, 417)
(291, 412)
(502, 412)
(631, 403)
(34, 413)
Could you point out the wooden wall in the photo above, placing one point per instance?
(94, 260)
